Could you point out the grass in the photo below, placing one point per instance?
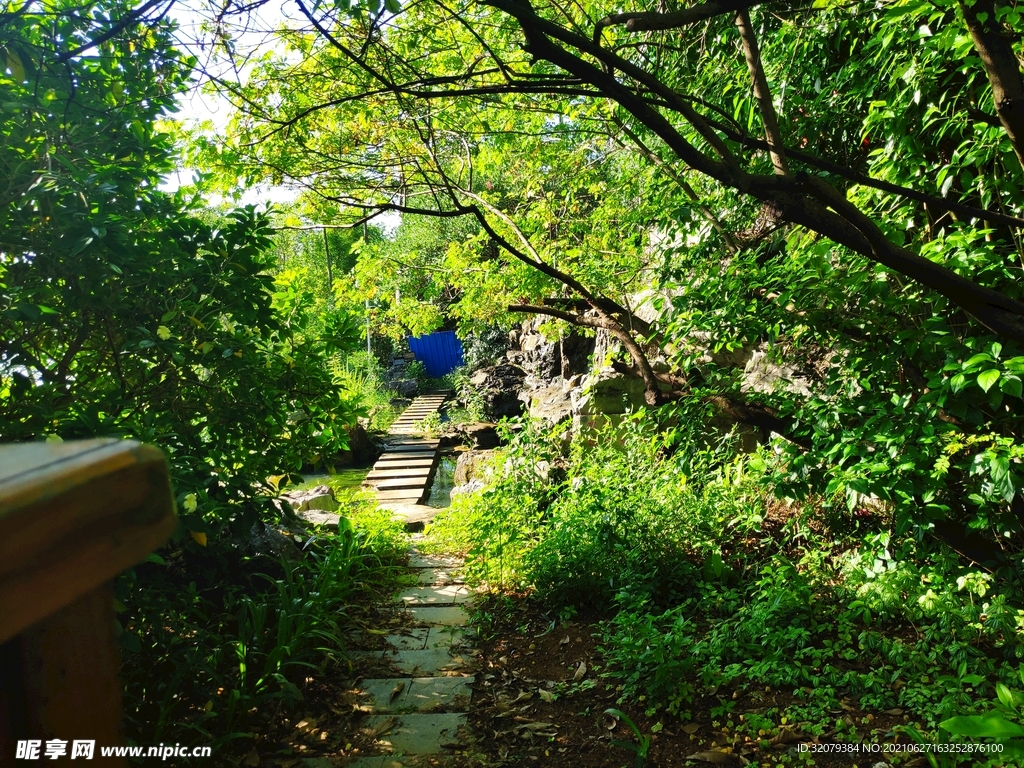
(218, 646)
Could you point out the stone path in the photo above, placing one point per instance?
(420, 714)
(402, 476)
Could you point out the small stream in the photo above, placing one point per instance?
(444, 479)
(350, 479)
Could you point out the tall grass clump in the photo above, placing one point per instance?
(219, 646)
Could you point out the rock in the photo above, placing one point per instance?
(471, 466)
(265, 540)
(481, 435)
(362, 449)
(405, 387)
(313, 517)
(319, 498)
(552, 403)
(499, 386)
(467, 488)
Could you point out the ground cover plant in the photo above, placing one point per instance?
(705, 592)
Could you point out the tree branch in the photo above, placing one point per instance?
(762, 94)
(643, 21)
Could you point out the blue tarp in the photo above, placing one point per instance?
(439, 352)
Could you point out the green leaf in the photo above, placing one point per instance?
(1011, 385)
(988, 378)
(991, 725)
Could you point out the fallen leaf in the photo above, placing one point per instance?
(564, 640)
(714, 757)
(895, 711)
(581, 670)
(691, 728)
(252, 759)
(547, 696)
(381, 728)
(538, 726)
(397, 690)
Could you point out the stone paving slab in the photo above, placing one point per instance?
(431, 760)
(448, 616)
(419, 560)
(421, 734)
(432, 693)
(411, 639)
(413, 515)
(422, 694)
(450, 594)
(427, 661)
(447, 637)
(439, 576)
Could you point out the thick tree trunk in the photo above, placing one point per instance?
(1001, 66)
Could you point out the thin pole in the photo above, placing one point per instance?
(330, 277)
(369, 349)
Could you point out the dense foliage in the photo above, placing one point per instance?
(829, 189)
(717, 591)
(127, 311)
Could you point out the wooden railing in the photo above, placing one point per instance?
(72, 516)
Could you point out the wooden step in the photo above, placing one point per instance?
(409, 495)
(412, 458)
(399, 471)
(404, 461)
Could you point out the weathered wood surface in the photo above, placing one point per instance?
(72, 516)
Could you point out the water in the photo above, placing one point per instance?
(342, 480)
(444, 480)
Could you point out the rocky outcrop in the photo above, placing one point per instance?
(398, 378)
(546, 358)
(498, 386)
(319, 498)
(471, 465)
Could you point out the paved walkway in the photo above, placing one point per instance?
(420, 714)
(403, 474)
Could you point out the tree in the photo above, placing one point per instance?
(832, 184)
(122, 311)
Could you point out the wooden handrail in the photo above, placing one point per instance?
(72, 516)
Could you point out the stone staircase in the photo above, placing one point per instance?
(419, 716)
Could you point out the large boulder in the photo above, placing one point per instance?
(471, 465)
(552, 403)
(499, 387)
(404, 387)
(321, 498)
(362, 449)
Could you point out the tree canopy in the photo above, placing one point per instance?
(837, 185)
